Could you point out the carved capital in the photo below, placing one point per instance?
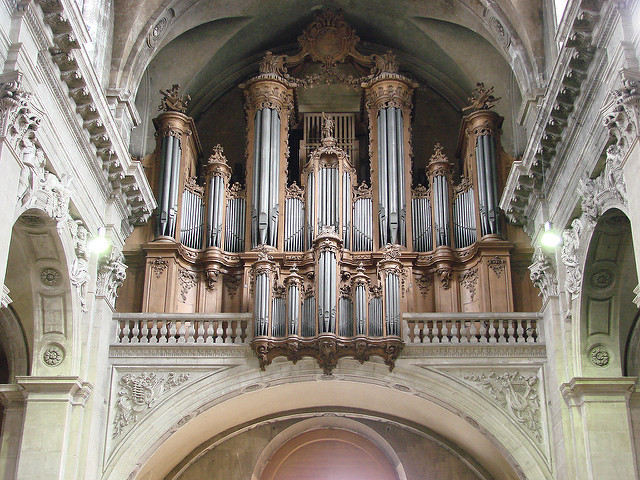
(270, 92)
(111, 276)
(389, 92)
(543, 275)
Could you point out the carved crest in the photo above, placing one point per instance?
(172, 101)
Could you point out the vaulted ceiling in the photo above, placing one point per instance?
(210, 46)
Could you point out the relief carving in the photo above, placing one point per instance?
(188, 280)
(543, 275)
(497, 264)
(111, 276)
(172, 101)
(138, 393)
(469, 280)
(569, 257)
(517, 394)
(158, 266)
(79, 274)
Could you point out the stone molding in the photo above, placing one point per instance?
(180, 351)
(583, 28)
(543, 274)
(61, 389)
(5, 299)
(126, 179)
(581, 390)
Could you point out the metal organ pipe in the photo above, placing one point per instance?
(174, 188)
(383, 200)
(293, 308)
(361, 310)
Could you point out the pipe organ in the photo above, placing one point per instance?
(328, 263)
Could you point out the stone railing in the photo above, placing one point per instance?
(182, 328)
(485, 328)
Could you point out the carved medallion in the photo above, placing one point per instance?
(50, 277)
(53, 355)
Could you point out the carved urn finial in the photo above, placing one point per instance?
(172, 102)
(481, 99)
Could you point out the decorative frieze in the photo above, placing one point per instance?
(137, 393)
(517, 394)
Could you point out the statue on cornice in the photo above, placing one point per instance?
(481, 98)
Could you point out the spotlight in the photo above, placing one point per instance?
(100, 243)
(550, 238)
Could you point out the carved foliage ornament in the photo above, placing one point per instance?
(138, 393)
(158, 266)
(543, 274)
(188, 280)
(17, 119)
(517, 394)
(111, 276)
(497, 264)
(469, 280)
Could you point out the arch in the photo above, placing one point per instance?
(207, 406)
(13, 344)
(305, 427)
(40, 258)
(605, 308)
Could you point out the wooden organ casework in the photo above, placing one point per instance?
(327, 262)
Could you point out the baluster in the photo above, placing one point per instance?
(234, 332)
(411, 327)
(454, 332)
(163, 333)
(154, 332)
(209, 332)
(200, 338)
(511, 337)
(172, 332)
(144, 332)
(191, 333)
(464, 332)
(520, 331)
(501, 332)
(219, 332)
(492, 332)
(530, 332)
(182, 333)
(445, 332)
(125, 332)
(473, 333)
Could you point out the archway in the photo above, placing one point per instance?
(609, 337)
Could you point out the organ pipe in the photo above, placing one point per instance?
(439, 173)
(269, 101)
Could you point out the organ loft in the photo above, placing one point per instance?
(331, 233)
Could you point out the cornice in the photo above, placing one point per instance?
(582, 32)
(125, 179)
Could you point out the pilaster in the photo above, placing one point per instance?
(601, 426)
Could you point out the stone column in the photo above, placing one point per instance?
(12, 401)
(601, 427)
(388, 103)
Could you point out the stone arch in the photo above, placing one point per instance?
(41, 255)
(304, 427)
(13, 344)
(447, 406)
(605, 307)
